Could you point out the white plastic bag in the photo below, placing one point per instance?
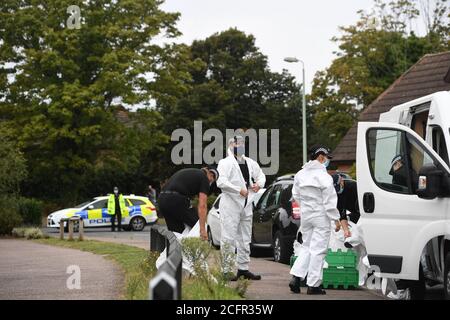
(336, 239)
(187, 233)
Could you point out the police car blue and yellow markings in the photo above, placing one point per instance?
(101, 215)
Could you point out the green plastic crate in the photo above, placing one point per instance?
(341, 259)
(340, 277)
(293, 258)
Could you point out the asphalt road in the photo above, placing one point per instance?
(30, 270)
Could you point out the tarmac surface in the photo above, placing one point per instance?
(30, 270)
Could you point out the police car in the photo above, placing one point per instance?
(94, 213)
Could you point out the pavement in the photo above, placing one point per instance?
(30, 270)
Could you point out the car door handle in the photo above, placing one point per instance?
(369, 202)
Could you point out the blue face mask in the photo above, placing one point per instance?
(239, 151)
(326, 163)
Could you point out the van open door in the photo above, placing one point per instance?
(396, 223)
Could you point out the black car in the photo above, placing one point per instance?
(276, 219)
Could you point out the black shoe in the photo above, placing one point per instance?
(247, 275)
(315, 291)
(294, 284)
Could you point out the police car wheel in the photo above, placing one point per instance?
(137, 224)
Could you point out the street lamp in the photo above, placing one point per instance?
(295, 60)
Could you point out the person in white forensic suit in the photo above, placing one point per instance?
(314, 191)
(240, 178)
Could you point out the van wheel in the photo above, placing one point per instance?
(447, 277)
(137, 224)
(281, 252)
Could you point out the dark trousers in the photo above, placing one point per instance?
(176, 210)
(119, 221)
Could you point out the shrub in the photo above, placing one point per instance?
(31, 211)
(34, 233)
(18, 232)
(9, 216)
(29, 233)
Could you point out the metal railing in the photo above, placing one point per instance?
(166, 285)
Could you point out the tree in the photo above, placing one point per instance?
(64, 85)
(231, 86)
(12, 165)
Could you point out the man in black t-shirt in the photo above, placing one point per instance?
(175, 199)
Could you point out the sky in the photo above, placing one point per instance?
(282, 28)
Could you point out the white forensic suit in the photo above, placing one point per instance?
(314, 191)
(236, 212)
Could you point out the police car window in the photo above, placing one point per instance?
(83, 204)
(137, 202)
(100, 204)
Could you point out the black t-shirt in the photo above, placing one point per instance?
(348, 199)
(188, 182)
(117, 204)
(245, 172)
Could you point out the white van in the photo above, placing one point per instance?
(403, 179)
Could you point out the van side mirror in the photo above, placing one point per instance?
(429, 184)
(91, 207)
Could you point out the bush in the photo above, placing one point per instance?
(34, 233)
(18, 232)
(31, 211)
(29, 233)
(9, 216)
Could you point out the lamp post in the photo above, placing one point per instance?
(295, 60)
